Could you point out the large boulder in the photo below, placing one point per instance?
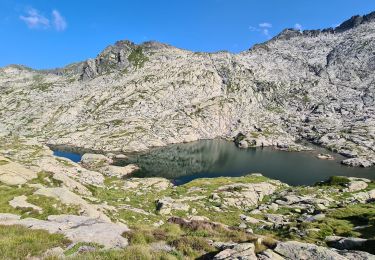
(245, 195)
(166, 205)
(120, 172)
(147, 184)
(245, 251)
(353, 186)
(95, 160)
(12, 173)
(364, 197)
(302, 251)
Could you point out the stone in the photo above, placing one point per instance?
(364, 197)
(242, 226)
(166, 205)
(147, 184)
(268, 254)
(120, 156)
(243, 251)
(8, 217)
(56, 252)
(243, 195)
(354, 186)
(90, 159)
(120, 172)
(325, 156)
(249, 220)
(316, 217)
(302, 251)
(159, 223)
(276, 219)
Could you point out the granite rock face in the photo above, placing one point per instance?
(315, 85)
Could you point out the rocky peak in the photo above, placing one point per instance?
(119, 56)
(155, 45)
(355, 21)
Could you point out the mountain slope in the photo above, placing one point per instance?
(315, 85)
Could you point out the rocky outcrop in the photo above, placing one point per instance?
(239, 251)
(21, 202)
(357, 162)
(167, 204)
(120, 172)
(71, 174)
(12, 173)
(147, 184)
(92, 160)
(70, 198)
(364, 197)
(297, 250)
(245, 195)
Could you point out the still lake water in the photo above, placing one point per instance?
(213, 158)
(75, 157)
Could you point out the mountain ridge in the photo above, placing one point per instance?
(348, 24)
(317, 87)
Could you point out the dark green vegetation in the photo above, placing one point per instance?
(137, 58)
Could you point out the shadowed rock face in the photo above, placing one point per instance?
(316, 85)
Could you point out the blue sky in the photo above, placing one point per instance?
(54, 33)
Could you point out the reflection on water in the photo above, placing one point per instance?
(213, 158)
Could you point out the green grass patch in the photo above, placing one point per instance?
(17, 242)
(75, 248)
(3, 162)
(50, 206)
(134, 252)
(64, 162)
(46, 179)
(334, 181)
(7, 193)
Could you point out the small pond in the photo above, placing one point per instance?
(75, 157)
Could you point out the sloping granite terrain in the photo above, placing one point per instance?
(312, 85)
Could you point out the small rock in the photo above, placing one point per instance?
(242, 226)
